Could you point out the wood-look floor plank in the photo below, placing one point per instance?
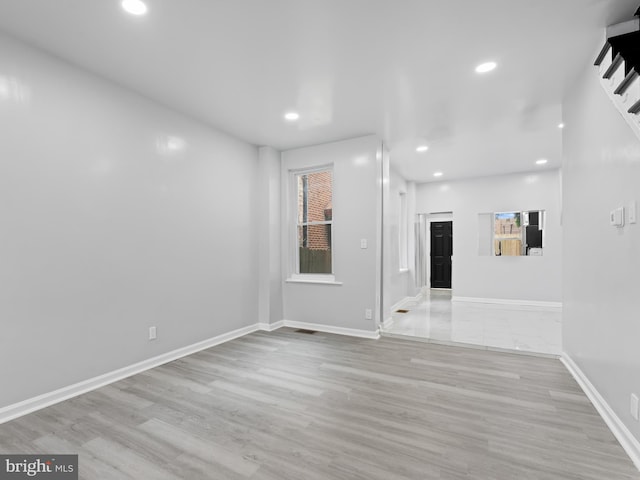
(286, 405)
(204, 449)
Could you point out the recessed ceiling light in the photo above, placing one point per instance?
(486, 67)
(422, 148)
(561, 125)
(437, 174)
(542, 161)
(292, 116)
(134, 7)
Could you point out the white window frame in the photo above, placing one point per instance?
(403, 233)
(294, 256)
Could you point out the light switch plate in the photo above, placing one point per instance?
(616, 218)
(632, 212)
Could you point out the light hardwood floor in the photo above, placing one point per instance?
(288, 405)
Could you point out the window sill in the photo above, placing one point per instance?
(316, 280)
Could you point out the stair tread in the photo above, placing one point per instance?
(602, 54)
(635, 108)
(628, 80)
(617, 61)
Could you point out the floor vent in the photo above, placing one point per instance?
(308, 332)
(402, 310)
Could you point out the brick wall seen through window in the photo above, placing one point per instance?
(315, 221)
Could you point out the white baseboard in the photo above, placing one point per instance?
(630, 444)
(406, 301)
(270, 327)
(504, 301)
(30, 405)
(352, 332)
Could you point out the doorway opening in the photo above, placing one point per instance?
(441, 253)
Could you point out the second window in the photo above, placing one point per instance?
(314, 221)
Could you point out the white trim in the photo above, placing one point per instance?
(292, 196)
(30, 405)
(630, 444)
(382, 159)
(405, 301)
(388, 323)
(351, 332)
(11, 412)
(270, 327)
(504, 301)
(403, 233)
(440, 216)
(431, 218)
(316, 280)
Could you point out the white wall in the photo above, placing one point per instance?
(533, 279)
(601, 171)
(356, 195)
(398, 284)
(108, 227)
(270, 274)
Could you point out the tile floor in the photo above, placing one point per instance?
(437, 319)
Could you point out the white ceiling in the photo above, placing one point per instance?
(402, 69)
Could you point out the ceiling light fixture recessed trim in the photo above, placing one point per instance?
(542, 161)
(292, 116)
(561, 125)
(134, 7)
(438, 174)
(422, 148)
(486, 67)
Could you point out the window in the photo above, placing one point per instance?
(314, 221)
(403, 233)
(507, 234)
(519, 233)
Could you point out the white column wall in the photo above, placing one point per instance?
(268, 238)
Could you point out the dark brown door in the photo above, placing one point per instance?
(441, 251)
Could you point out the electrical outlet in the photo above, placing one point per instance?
(153, 334)
(368, 314)
(634, 406)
